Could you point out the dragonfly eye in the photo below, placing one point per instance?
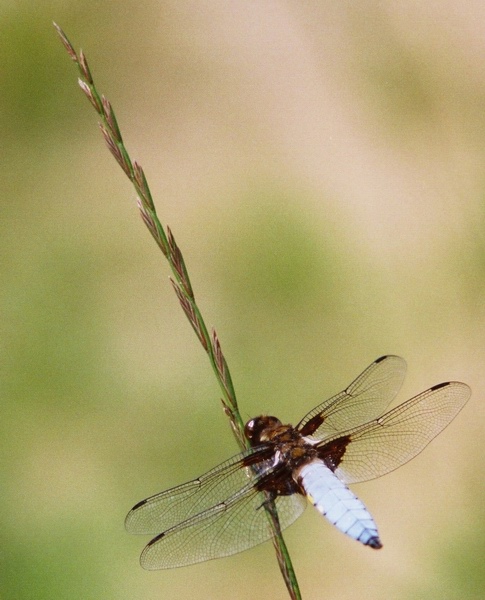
(250, 430)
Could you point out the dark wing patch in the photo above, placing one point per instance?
(333, 452)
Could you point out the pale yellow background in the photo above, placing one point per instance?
(322, 165)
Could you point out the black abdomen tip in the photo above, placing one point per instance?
(375, 543)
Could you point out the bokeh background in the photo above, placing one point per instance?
(322, 166)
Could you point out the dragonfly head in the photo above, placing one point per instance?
(261, 429)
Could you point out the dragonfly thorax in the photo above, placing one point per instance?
(287, 443)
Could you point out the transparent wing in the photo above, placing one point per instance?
(386, 443)
(228, 527)
(168, 508)
(364, 399)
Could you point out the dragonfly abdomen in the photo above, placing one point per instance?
(338, 504)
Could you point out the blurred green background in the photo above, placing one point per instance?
(322, 166)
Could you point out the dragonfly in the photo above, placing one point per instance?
(345, 439)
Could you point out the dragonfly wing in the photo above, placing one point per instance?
(228, 527)
(364, 399)
(166, 509)
(386, 443)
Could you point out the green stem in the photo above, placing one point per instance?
(181, 283)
